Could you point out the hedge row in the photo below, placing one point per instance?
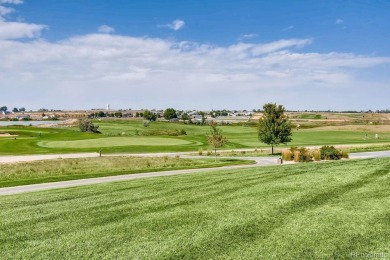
(303, 154)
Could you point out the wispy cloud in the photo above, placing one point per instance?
(16, 30)
(289, 28)
(247, 36)
(339, 21)
(175, 25)
(15, 2)
(5, 10)
(106, 29)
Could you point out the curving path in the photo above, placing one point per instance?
(260, 161)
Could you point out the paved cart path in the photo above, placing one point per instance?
(260, 161)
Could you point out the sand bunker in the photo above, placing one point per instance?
(6, 135)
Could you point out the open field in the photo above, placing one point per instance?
(305, 211)
(14, 174)
(130, 136)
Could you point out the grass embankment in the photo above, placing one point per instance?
(306, 211)
(130, 136)
(15, 174)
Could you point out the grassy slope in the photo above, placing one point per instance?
(73, 169)
(119, 136)
(306, 211)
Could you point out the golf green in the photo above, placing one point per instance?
(115, 141)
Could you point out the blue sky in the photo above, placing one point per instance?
(195, 54)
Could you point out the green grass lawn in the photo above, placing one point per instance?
(309, 116)
(328, 210)
(130, 136)
(15, 174)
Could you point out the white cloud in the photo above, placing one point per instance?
(175, 25)
(15, 2)
(16, 30)
(247, 36)
(288, 28)
(105, 29)
(124, 70)
(5, 10)
(279, 45)
(339, 21)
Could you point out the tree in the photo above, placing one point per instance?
(274, 127)
(86, 125)
(185, 117)
(22, 109)
(148, 115)
(3, 108)
(216, 139)
(170, 113)
(15, 110)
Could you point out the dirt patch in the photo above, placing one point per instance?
(363, 128)
(66, 123)
(6, 135)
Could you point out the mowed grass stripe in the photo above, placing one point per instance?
(316, 211)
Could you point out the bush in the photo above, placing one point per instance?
(304, 155)
(317, 155)
(344, 154)
(146, 123)
(86, 125)
(287, 155)
(297, 154)
(330, 153)
(200, 151)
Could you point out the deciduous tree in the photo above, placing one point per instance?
(149, 115)
(274, 127)
(215, 138)
(170, 113)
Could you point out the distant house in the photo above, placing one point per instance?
(23, 117)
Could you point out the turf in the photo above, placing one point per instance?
(115, 141)
(331, 210)
(130, 136)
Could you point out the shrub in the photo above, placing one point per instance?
(200, 151)
(344, 154)
(330, 153)
(209, 152)
(287, 155)
(317, 155)
(183, 132)
(86, 125)
(293, 149)
(296, 155)
(304, 155)
(146, 123)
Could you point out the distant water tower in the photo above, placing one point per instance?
(108, 106)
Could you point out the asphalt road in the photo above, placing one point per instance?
(260, 161)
